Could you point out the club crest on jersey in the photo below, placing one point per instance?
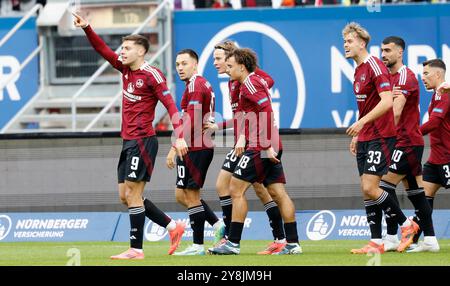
(139, 83)
(357, 87)
(130, 87)
(437, 97)
(363, 77)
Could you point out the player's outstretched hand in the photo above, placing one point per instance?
(79, 21)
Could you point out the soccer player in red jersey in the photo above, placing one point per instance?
(221, 50)
(143, 87)
(198, 105)
(436, 171)
(406, 160)
(373, 138)
(259, 142)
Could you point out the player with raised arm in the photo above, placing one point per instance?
(143, 86)
(406, 161)
(373, 138)
(221, 50)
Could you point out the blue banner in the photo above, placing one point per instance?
(85, 226)
(352, 224)
(115, 226)
(302, 49)
(311, 225)
(23, 86)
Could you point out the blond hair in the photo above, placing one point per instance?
(356, 28)
(227, 46)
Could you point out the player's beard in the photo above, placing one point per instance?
(390, 64)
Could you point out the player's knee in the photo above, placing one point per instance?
(129, 196)
(132, 196)
(192, 197)
(277, 194)
(123, 199)
(370, 191)
(260, 190)
(180, 197)
(221, 187)
(263, 195)
(276, 197)
(235, 191)
(122, 195)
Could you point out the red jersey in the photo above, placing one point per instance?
(197, 103)
(440, 137)
(408, 127)
(255, 102)
(372, 78)
(142, 89)
(234, 88)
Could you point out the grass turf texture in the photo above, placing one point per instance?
(315, 253)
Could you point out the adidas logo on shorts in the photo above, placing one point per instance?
(227, 164)
(132, 175)
(372, 169)
(393, 166)
(238, 171)
(180, 183)
(448, 182)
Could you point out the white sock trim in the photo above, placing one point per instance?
(430, 239)
(171, 226)
(406, 223)
(391, 237)
(378, 241)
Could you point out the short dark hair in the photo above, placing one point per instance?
(435, 63)
(190, 52)
(227, 46)
(246, 57)
(138, 40)
(396, 40)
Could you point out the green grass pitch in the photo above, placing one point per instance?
(315, 253)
